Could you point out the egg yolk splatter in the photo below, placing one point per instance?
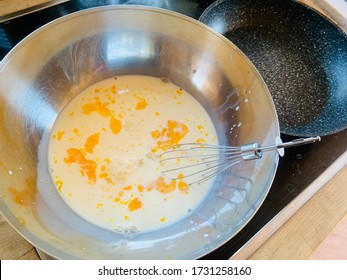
(169, 136)
(25, 196)
(60, 135)
(115, 125)
(142, 104)
(91, 142)
(87, 167)
(163, 187)
(135, 204)
(98, 107)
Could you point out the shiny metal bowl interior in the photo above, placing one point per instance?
(53, 64)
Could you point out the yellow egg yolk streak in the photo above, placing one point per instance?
(169, 136)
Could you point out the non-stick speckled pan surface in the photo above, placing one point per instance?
(301, 55)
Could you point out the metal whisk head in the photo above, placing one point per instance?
(200, 162)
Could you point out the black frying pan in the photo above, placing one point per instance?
(301, 55)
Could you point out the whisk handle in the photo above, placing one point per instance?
(255, 151)
(294, 143)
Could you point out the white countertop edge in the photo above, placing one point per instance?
(283, 216)
(335, 10)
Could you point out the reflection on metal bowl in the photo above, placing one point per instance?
(55, 63)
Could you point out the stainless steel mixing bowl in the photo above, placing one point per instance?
(53, 64)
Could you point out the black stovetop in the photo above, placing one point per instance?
(297, 169)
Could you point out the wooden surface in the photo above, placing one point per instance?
(10, 6)
(299, 237)
(13, 246)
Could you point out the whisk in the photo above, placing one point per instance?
(202, 161)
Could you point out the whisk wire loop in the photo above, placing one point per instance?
(204, 161)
